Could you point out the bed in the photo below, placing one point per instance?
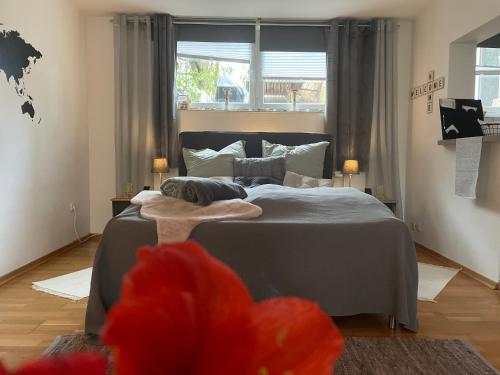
(337, 246)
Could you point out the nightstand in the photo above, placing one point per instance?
(390, 204)
(119, 204)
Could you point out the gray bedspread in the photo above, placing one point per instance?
(340, 247)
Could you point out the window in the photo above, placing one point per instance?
(287, 73)
(268, 73)
(205, 69)
(488, 80)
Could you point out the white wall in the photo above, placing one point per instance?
(463, 230)
(101, 115)
(44, 167)
(101, 119)
(251, 121)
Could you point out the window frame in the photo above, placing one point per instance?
(256, 90)
(300, 107)
(485, 70)
(210, 106)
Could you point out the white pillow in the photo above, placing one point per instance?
(298, 181)
(307, 160)
(209, 163)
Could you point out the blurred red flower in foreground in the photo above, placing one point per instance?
(75, 364)
(182, 312)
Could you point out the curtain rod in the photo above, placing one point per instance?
(215, 22)
(262, 23)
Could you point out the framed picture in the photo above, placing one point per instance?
(461, 118)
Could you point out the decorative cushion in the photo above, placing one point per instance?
(273, 166)
(208, 163)
(307, 160)
(298, 181)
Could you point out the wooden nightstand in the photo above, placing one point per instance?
(119, 204)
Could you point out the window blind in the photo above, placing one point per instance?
(493, 42)
(215, 33)
(240, 52)
(294, 65)
(292, 38)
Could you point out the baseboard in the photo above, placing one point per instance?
(28, 267)
(451, 263)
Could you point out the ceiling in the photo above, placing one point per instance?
(319, 9)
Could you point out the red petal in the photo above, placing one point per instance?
(228, 347)
(187, 267)
(295, 336)
(153, 338)
(220, 302)
(183, 312)
(75, 364)
(153, 335)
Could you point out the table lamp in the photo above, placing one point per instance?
(351, 167)
(160, 166)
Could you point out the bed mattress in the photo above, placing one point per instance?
(337, 246)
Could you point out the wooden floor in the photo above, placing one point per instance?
(30, 320)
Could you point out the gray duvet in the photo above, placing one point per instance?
(339, 247)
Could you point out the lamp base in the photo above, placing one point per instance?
(160, 175)
(350, 180)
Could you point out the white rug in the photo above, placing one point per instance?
(75, 286)
(432, 280)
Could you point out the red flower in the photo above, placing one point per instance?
(75, 364)
(182, 312)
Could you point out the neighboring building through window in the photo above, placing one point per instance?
(488, 80)
(284, 73)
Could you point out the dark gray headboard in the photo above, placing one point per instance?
(219, 140)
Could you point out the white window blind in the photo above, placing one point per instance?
(239, 52)
(294, 65)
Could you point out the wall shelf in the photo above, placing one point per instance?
(486, 139)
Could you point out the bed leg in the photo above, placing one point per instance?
(392, 323)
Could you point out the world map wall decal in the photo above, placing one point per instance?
(16, 60)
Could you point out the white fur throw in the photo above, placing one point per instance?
(176, 218)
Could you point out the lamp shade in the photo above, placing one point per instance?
(351, 167)
(160, 165)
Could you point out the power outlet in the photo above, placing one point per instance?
(72, 207)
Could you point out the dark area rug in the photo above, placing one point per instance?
(362, 355)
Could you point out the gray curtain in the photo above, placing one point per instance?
(383, 163)
(134, 130)
(164, 60)
(350, 57)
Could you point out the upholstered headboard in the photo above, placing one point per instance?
(219, 140)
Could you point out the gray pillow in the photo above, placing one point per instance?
(273, 166)
(208, 163)
(307, 160)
